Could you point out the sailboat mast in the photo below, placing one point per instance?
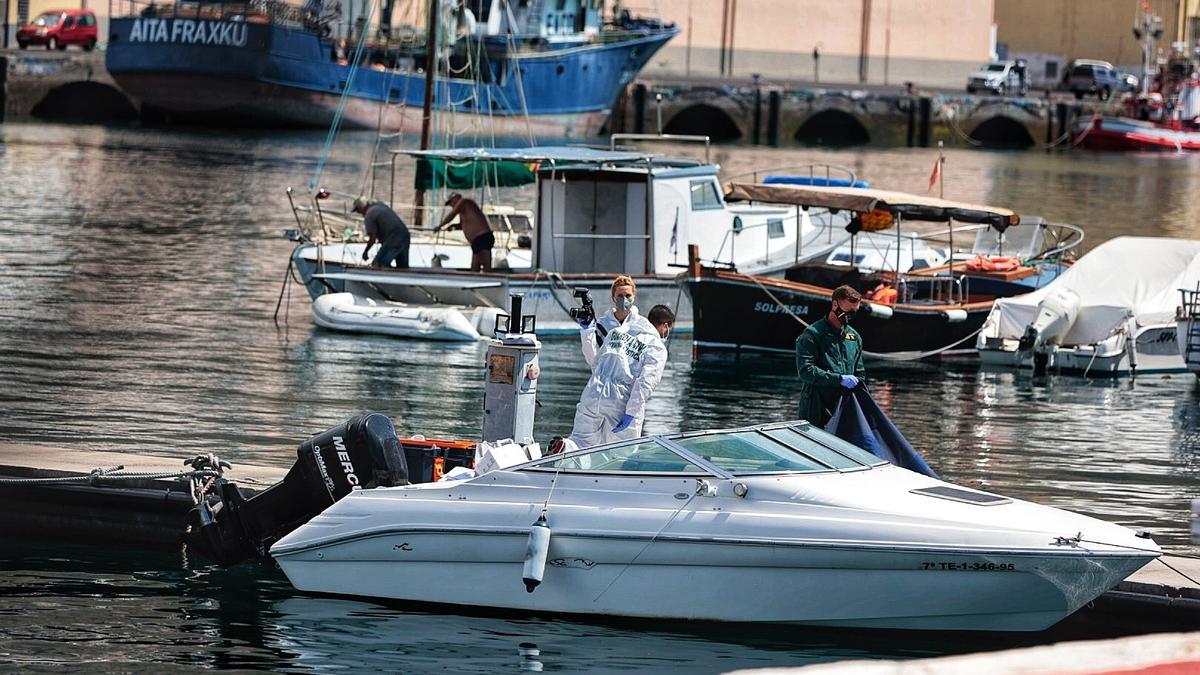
(427, 106)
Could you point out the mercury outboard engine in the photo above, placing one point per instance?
(363, 452)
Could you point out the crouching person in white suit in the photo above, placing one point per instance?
(626, 367)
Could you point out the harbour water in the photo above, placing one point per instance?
(139, 270)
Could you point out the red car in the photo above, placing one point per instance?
(60, 27)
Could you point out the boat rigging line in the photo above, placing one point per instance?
(1146, 550)
(337, 117)
(700, 486)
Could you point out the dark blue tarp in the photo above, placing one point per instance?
(859, 420)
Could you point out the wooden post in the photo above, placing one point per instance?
(926, 122)
(758, 116)
(693, 260)
(774, 104)
(639, 108)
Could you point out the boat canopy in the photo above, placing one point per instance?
(467, 168)
(1124, 278)
(910, 207)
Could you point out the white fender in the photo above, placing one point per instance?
(535, 554)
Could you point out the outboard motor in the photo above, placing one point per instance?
(363, 452)
(1056, 314)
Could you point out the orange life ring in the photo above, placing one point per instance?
(983, 263)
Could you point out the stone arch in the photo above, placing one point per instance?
(85, 101)
(1002, 131)
(832, 127)
(705, 120)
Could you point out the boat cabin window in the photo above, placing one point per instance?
(644, 456)
(705, 195)
(825, 447)
(746, 452)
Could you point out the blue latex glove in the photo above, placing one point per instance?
(623, 424)
(583, 325)
(849, 381)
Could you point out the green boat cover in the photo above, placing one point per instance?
(435, 174)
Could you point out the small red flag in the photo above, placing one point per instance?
(936, 175)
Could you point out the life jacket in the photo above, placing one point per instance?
(983, 263)
(883, 294)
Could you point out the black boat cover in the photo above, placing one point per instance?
(859, 420)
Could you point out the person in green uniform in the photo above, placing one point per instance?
(829, 358)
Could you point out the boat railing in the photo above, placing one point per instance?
(937, 289)
(265, 11)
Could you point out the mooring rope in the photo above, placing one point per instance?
(116, 473)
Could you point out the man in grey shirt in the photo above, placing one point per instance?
(384, 226)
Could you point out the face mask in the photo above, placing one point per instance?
(845, 317)
(623, 304)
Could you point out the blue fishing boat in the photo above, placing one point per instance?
(532, 68)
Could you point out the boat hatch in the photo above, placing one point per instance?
(961, 495)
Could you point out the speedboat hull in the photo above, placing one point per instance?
(1157, 353)
(733, 581)
(864, 548)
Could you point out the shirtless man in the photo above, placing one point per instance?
(475, 228)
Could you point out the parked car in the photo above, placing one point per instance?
(1129, 82)
(1086, 76)
(58, 28)
(1000, 77)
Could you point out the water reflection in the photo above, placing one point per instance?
(139, 271)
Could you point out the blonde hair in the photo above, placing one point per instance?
(622, 280)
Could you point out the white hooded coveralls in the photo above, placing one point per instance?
(625, 370)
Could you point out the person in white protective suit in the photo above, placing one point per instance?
(626, 367)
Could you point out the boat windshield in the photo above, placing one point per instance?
(825, 447)
(643, 456)
(750, 452)
(774, 449)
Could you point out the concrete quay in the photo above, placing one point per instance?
(60, 85)
(782, 113)
(74, 85)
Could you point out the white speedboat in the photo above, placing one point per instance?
(1112, 313)
(773, 523)
(355, 314)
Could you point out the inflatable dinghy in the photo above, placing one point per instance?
(356, 314)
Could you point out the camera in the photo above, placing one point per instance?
(585, 313)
